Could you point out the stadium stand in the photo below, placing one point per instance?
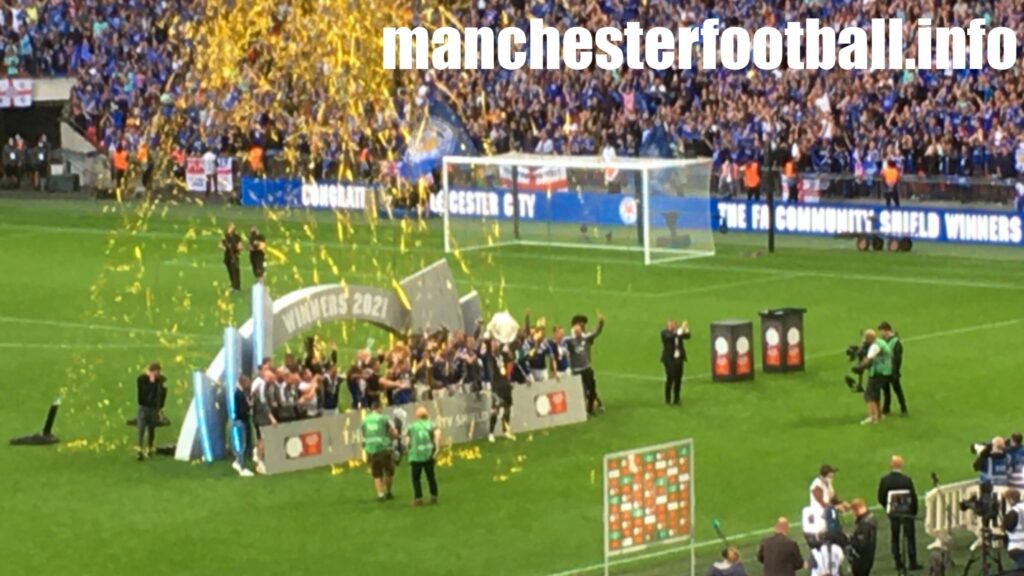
(930, 123)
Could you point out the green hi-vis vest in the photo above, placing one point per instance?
(882, 365)
(375, 433)
(421, 441)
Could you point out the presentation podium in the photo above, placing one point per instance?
(732, 359)
(782, 340)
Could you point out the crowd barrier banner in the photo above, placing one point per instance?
(548, 404)
(992, 227)
(195, 175)
(335, 439)
(295, 193)
(918, 222)
(15, 93)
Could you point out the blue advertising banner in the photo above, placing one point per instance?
(574, 207)
(919, 223)
(295, 193)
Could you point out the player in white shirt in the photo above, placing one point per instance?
(827, 560)
(820, 516)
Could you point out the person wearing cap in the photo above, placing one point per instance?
(893, 384)
(423, 441)
(878, 364)
(901, 518)
(579, 344)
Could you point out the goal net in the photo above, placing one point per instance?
(655, 206)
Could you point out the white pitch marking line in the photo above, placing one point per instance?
(99, 327)
(918, 338)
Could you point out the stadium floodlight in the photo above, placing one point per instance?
(660, 207)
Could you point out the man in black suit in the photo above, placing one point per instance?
(778, 553)
(902, 513)
(673, 356)
(231, 244)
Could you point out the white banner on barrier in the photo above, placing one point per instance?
(195, 175)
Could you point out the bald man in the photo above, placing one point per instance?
(900, 520)
(778, 553)
(878, 363)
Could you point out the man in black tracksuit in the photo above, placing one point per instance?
(257, 254)
(893, 385)
(673, 356)
(151, 397)
(863, 539)
(231, 243)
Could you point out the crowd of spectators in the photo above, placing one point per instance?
(125, 61)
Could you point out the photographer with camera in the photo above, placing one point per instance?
(1015, 451)
(1013, 526)
(898, 498)
(992, 461)
(878, 364)
(864, 539)
(893, 384)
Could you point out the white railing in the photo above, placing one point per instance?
(943, 513)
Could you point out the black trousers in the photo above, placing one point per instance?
(589, 388)
(892, 196)
(673, 381)
(257, 266)
(860, 569)
(898, 525)
(234, 273)
(892, 384)
(418, 469)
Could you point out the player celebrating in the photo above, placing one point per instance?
(579, 345)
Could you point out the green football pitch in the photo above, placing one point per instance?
(92, 292)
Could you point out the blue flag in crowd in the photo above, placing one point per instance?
(656, 143)
(443, 135)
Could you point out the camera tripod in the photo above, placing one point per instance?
(987, 554)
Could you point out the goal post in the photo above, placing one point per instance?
(655, 206)
(649, 502)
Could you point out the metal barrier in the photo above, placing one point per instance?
(943, 513)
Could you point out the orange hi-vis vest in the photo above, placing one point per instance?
(890, 176)
(752, 175)
(789, 170)
(256, 158)
(121, 160)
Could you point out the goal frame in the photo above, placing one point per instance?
(665, 545)
(516, 160)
